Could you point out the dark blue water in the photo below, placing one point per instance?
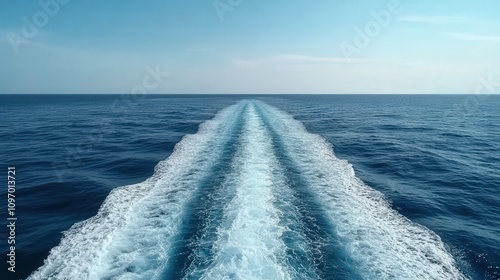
(253, 194)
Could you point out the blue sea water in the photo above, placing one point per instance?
(253, 187)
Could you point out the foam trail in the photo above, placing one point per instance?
(251, 228)
(383, 243)
(249, 244)
(246, 230)
(131, 235)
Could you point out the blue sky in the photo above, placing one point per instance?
(249, 46)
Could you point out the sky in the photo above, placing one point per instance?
(249, 46)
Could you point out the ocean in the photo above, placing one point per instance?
(252, 187)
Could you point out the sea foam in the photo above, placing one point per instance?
(133, 235)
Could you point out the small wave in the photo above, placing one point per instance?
(385, 244)
(131, 235)
(137, 231)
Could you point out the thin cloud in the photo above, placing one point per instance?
(475, 37)
(435, 19)
(298, 59)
